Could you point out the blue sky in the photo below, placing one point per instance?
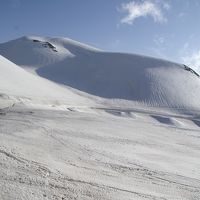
(161, 28)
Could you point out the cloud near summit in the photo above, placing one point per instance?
(146, 8)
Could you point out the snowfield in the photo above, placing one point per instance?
(80, 123)
(118, 79)
(52, 154)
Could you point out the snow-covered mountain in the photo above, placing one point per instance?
(81, 123)
(120, 79)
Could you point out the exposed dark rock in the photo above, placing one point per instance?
(49, 45)
(36, 41)
(191, 70)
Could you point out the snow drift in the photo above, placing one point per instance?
(113, 76)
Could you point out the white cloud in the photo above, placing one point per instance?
(190, 55)
(193, 60)
(159, 40)
(144, 8)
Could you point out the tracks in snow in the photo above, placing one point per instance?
(66, 140)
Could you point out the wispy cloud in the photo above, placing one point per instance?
(190, 53)
(145, 8)
(193, 60)
(162, 45)
(159, 40)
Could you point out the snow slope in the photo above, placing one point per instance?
(34, 52)
(67, 155)
(20, 84)
(58, 144)
(120, 79)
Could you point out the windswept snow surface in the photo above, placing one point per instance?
(102, 154)
(87, 124)
(119, 79)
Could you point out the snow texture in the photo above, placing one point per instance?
(113, 76)
(80, 123)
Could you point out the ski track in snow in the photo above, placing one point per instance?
(52, 154)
